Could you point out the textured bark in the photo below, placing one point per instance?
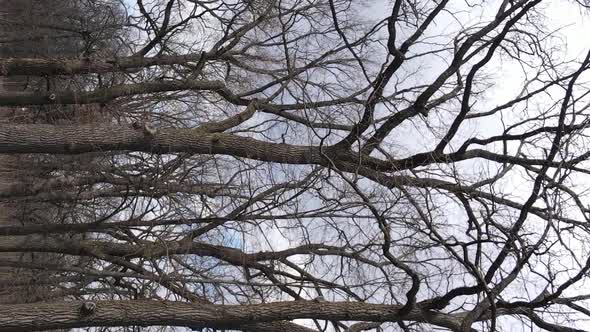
(151, 250)
(75, 139)
(104, 95)
(69, 191)
(34, 66)
(42, 316)
(94, 227)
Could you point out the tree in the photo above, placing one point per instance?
(280, 165)
(41, 29)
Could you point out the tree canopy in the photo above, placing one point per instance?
(283, 165)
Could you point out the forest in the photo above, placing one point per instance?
(294, 165)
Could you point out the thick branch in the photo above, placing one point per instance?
(104, 95)
(88, 138)
(56, 66)
(43, 316)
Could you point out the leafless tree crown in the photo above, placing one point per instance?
(283, 165)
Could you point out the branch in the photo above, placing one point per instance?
(56, 66)
(64, 315)
(104, 95)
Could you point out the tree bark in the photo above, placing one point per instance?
(40, 67)
(75, 139)
(43, 316)
(104, 95)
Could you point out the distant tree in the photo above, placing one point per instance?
(45, 29)
(317, 165)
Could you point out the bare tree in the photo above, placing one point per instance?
(37, 30)
(320, 165)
